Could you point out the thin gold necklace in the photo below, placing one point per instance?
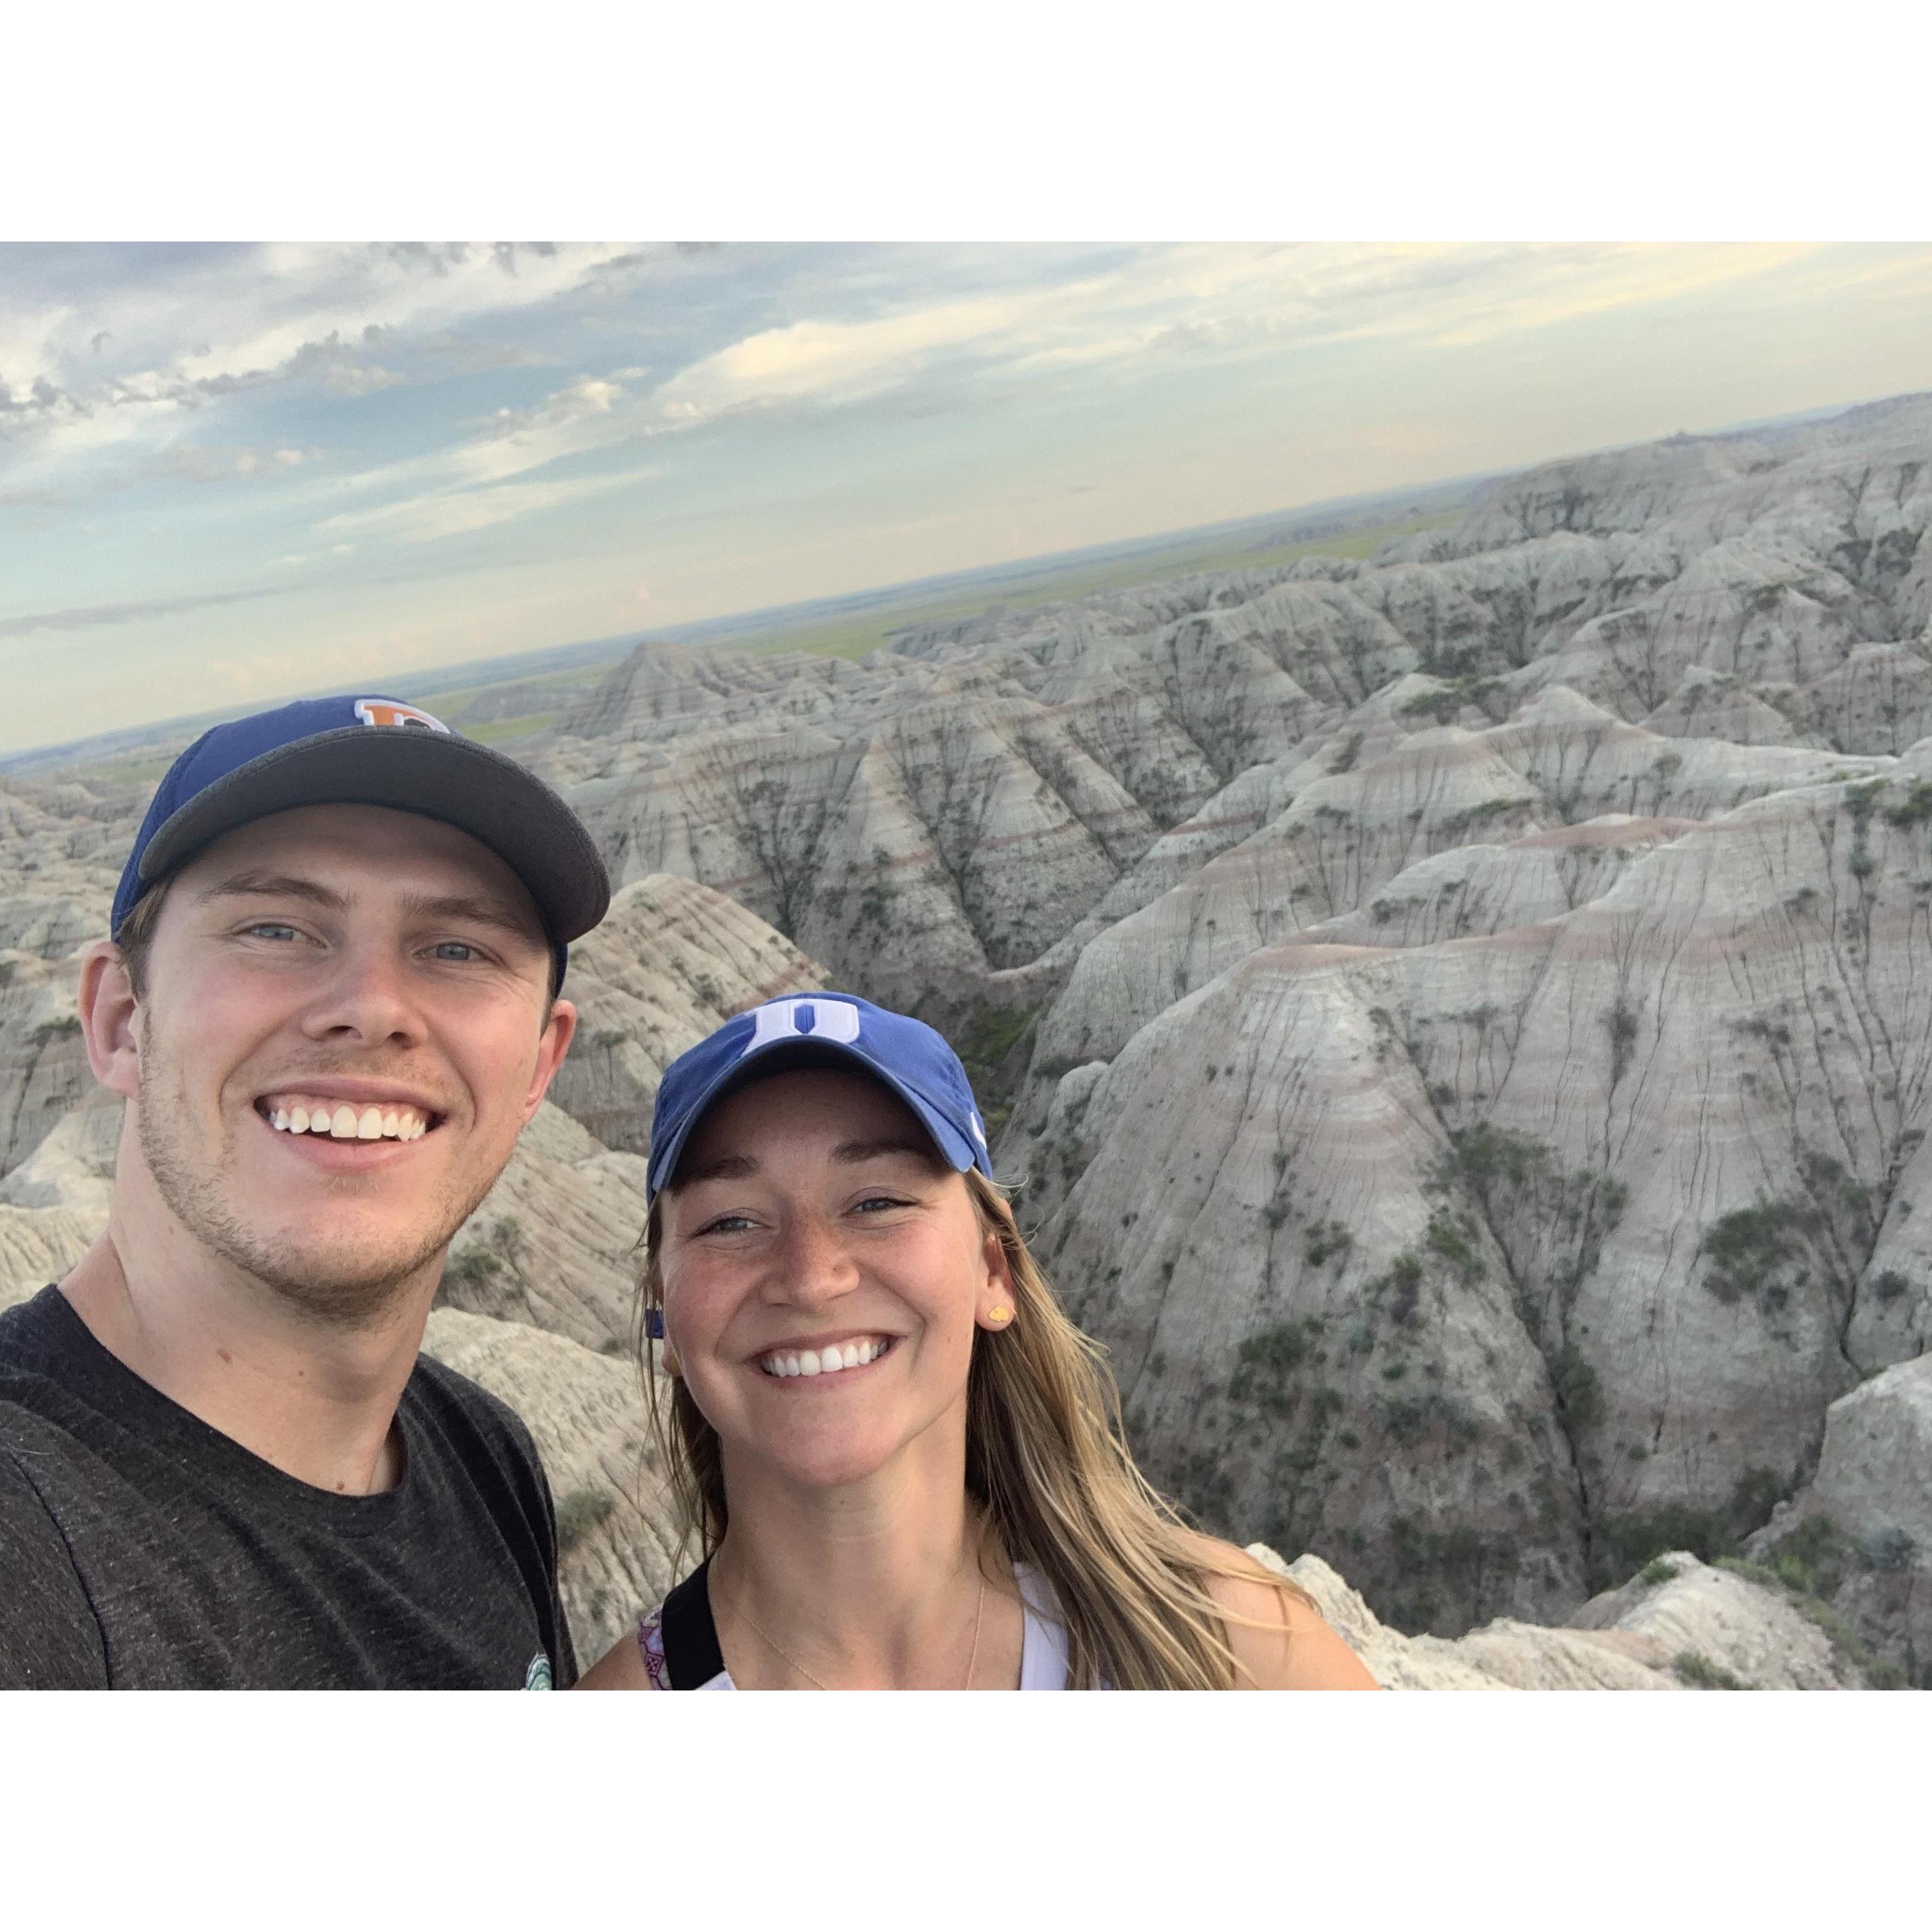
(772, 1642)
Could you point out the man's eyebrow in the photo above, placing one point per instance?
(478, 907)
(274, 886)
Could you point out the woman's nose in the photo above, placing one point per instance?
(811, 1266)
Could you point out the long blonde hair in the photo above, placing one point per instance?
(1047, 1459)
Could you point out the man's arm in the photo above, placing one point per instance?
(565, 1664)
(50, 1638)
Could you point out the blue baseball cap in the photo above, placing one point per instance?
(837, 1030)
(370, 751)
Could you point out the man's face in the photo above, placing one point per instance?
(373, 970)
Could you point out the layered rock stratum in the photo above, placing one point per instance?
(1460, 1017)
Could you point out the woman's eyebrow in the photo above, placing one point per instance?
(849, 1154)
(726, 1167)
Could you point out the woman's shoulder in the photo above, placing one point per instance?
(635, 1662)
(1279, 1638)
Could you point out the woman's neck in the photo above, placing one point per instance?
(890, 1583)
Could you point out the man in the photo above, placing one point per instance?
(330, 1003)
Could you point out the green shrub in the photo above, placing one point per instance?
(1327, 1241)
(1656, 1571)
(1890, 1549)
(1916, 808)
(580, 1512)
(1701, 1674)
(1751, 1249)
(473, 1264)
(1811, 1558)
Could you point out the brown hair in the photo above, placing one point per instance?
(1048, 1461)
(137, 935)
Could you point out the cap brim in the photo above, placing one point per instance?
(785, 1055)
(436, 775)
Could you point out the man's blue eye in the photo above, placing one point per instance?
(268, 926)
(454, 949)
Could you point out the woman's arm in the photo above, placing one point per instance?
(1280, 1642)
(620, 1668)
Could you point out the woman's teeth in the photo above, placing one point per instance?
(342, 1122)
(825, 1361)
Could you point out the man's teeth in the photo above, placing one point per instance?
(824, 1361)
(340, 1121)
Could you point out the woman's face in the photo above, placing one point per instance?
(812, 1224)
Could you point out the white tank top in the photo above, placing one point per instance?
(1043, 1664)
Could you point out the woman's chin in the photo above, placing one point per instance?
(834, 1462)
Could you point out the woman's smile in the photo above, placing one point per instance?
(830, 1358)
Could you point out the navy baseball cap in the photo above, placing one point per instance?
(370, 751)
(837, 1030)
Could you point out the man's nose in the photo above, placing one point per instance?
(812, 1267)
(366, 997)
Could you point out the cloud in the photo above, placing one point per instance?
(439, 513)
(39, 405)
(470, 355)
(93, 616)
(358, 379)
(588, 396)
(822, 362)
(210, 463)
(222, 322)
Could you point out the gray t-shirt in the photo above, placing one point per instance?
(140, 1548)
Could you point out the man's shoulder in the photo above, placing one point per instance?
(42, 1392)
(26, 1333)
(453, 1399)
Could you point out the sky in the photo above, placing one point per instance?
(230, 472)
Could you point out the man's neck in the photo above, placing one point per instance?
(317, 1401)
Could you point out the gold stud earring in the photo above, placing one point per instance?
(1000, 1314)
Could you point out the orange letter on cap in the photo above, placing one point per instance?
(380, 711)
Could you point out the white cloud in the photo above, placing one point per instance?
(836, 361)
(218, 325)
(449, 513)
(211, 463)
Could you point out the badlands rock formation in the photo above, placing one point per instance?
(1462, 1020)
(1475, 1044)
(1681, 1625)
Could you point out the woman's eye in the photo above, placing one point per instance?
(873, 1202)
(727, 1224)
(272, 929)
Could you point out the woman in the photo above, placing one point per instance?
(902, 1462)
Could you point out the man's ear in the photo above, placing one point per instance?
(110, 1018)
(552, 1043)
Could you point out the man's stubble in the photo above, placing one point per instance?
(335, 1283)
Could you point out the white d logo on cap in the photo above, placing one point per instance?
(803, 1019)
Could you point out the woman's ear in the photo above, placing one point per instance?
(997, 1297)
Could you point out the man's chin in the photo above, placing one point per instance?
(341, 1278)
